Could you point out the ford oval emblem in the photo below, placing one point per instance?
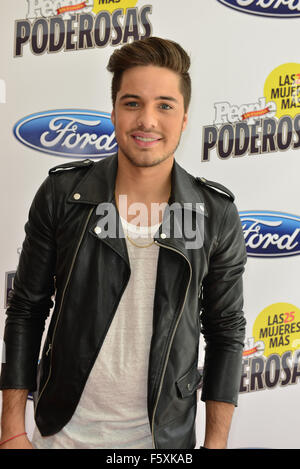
(271, 234)
(67, 132)
(275, 8)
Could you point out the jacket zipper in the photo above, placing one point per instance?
(50, 347)
(171, 340)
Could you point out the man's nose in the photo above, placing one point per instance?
(147, 118)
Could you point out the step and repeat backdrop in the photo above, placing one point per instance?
(243, 131)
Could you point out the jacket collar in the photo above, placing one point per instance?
(98, 186)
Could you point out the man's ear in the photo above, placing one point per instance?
(112, 116)
(185, 121)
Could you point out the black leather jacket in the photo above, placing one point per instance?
(196, 290)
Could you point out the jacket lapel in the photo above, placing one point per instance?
(98, 186)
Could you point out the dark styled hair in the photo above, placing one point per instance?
(151, 51)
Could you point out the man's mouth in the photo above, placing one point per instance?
(143, 139)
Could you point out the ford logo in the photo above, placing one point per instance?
(271, 234)
(74, 133)
(275, 8)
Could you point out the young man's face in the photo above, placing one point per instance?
(148, 115)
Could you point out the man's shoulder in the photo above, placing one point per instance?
(215, 188)
(210, 190)
(92, 179)
(66, 176)
(73, 165)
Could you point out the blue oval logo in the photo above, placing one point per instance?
(271, 234)
(275, 8)
(68, 133)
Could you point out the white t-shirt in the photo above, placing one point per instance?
(112, 411)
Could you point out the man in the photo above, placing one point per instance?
(119, 364)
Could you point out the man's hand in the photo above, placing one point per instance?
(218, 421)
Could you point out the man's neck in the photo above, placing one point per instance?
(148, 186)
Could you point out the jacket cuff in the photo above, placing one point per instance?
(18, 367)
(221, 377)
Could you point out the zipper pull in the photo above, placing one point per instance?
(49, 348)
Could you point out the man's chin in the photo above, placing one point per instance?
(146, 161)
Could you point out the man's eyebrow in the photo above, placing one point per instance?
(125, 96)
(135, 96)
(167, 98)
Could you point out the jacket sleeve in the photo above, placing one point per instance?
(223, 322)
(30, 302)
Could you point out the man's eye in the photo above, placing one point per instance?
(165, 106)
(131, 104)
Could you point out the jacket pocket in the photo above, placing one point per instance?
(189, 382)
